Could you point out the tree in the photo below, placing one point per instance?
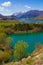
(2, 37)
(20, 50)
(8, 43)
(2, 40)
(5, 56)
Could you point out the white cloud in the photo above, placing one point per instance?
(1, 8)
(8, 10)
(26, 6)
(6, 4)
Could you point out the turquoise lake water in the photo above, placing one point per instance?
(26, 20)
(31, 38)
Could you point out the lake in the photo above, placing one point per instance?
(31, 38)
(26, 20)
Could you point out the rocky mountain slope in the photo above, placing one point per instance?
(39, 17)
(32, 14)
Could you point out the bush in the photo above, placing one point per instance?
(20, 50)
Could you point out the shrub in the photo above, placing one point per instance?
(20, 50)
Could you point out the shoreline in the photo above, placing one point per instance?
(24, 32)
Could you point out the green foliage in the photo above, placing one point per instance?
(12, 26)
(30, 61)
(20, 50)
(8, 41)
(2, 36)
(5, 56)
(23, 27)
(5, 49)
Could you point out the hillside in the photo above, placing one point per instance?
(39, 17)
(31, 14)
(35, 59)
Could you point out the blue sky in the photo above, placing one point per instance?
(8, 7)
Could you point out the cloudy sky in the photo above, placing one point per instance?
(8, 7)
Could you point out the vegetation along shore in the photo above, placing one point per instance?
(13, 26)
(19, 55)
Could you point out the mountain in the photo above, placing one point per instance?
(39, 17)
(18, 14)
(1, 16)
(30, 14)
(12, 17)
(8, 17)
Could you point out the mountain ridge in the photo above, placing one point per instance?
(32, 14)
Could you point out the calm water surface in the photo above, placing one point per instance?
(26, 20)
(30, 38)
